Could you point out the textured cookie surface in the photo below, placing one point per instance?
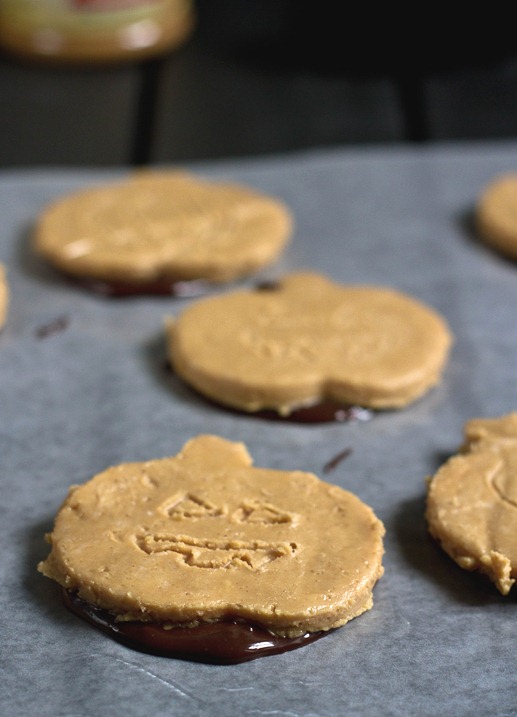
(307, 340)
(204, 536)
(472, 501)
(4, 296)
(163, 225)
(497, 215)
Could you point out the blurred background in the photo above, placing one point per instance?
(260, 77)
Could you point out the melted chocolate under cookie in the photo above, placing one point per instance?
(325, 411)
(159, 287)
(222, 643)
(322, 412)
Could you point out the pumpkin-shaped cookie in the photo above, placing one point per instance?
(496, 214)
(472, 501)
(306, 340)
(204, 537)
(156, 230)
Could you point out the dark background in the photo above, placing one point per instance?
(269, 76)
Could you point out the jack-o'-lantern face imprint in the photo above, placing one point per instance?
(205, 535)
(335, 329)
(472, 501)
(309, 341)
(216, 553)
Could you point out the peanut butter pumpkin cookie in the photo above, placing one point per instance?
(306, 340)
(157, 230)
(204, 537)
(496, 215)
(472, 501)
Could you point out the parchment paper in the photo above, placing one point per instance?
(83, 385)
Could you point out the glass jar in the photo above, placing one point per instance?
(94, 30)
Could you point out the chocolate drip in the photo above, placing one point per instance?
(159, 287)
(336, 460)
(52, 327)
(322, 412)
(325, 411)
(222, 643)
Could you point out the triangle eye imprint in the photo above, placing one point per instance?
(257, 511)
(187, 506)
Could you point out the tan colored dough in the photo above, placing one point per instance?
(4, 296)
(307, 340)
(497, 214)
(205, 535)
(472, 501)
(163, 226)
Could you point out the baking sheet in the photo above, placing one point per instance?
(83, 385)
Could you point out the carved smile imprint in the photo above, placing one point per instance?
(216, 554)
